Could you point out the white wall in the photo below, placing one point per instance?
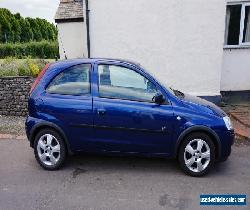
(73, 37)
(235, 74)
(181, 41)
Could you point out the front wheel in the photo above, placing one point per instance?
(49, 149)
(197, 154)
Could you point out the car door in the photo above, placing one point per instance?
(67, 102)
(125, 117)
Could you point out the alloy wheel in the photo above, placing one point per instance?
(197, 155)
(48, 148)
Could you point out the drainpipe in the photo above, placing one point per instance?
(87, 24)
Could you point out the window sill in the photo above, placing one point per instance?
(230, 47)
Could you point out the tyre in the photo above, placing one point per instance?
(223, 159)
(49, 149)
(197, 154)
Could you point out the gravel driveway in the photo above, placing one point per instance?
(12, 125)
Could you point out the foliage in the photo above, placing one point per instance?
(14, 28)
(34, 69)
(42, 49)
(24, 67)
(8, 68)
(24, 71)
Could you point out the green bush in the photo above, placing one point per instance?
(22, 71)
(11, 69)
(43, 49)
(23, 67)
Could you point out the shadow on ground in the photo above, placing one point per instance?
(83, 163)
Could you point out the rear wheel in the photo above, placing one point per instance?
(197, 154)
(49, 149)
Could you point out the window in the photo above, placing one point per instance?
(72, 81)
(238, 24)
(123, 83)
(246, 32)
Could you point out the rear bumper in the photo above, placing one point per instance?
(27, 128)
(30, 125)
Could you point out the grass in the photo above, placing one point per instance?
(22, 60)
(22, 67)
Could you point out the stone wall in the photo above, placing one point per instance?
(14, 92)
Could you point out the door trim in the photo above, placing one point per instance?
(119, 128)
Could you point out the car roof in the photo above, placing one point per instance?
(70, 62)
(117, 60)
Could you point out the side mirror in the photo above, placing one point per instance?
(158, 98)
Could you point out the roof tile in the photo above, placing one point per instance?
(69, 10)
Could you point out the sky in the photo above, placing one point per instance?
(45, 9)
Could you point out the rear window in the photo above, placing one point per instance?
(72, 81)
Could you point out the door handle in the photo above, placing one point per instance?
(101, 112)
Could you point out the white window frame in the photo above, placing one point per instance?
(242, 21)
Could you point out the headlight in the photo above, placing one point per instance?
(228, 123)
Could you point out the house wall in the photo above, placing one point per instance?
(180, 41)
(235, 75)
(73, 37)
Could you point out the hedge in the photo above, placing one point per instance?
(43, 49)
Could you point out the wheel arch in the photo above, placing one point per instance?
(194, 129)
(48, 125)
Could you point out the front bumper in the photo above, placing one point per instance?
(226, 140)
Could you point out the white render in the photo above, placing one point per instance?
(72, 37)
(236, 70)
(235, 74)
(181, 42)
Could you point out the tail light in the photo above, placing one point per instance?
(39, 78)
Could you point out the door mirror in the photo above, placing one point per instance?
(158, 98)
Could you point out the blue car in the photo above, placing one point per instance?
(108, 106)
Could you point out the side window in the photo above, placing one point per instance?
(72, 81)
(123, 83)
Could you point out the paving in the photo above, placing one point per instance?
(240, 116)
(98, 182)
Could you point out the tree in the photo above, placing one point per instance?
(15, 28)
(17, 16)
(26, 34)
(6, 27)
(37, 36)
(0, 30)
(43, 28)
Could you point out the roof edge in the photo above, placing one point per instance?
(69, 20)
